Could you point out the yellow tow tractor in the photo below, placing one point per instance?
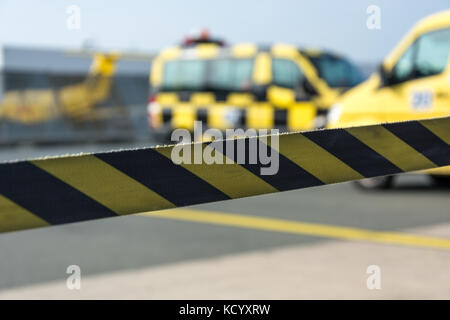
(412, 83)
(244, 86)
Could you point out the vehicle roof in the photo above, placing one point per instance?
(433, 21)
(209, 50)
(430, 23)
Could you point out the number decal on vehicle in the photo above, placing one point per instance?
(421, 100)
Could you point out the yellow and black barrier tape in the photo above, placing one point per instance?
(52, 191)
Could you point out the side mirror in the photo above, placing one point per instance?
(386, 77)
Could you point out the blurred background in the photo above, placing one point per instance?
(75, 77)
(42, 51)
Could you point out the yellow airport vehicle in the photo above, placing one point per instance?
(74, 102)
(244, 86)
(412, 83)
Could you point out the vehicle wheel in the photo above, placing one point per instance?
(441, 181)
(376, 183)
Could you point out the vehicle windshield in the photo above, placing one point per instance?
(336, 71)
(224, 74)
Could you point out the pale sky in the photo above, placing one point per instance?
(150, 25)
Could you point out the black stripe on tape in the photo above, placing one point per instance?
(289, 175)
(160, 174)
(353, 152)
(46, 196)
(423, 140)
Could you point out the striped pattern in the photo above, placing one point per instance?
(61, 190)
(226, 115)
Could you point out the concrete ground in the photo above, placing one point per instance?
(312, 243)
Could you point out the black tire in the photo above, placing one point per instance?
(441, 181)
(376, 183)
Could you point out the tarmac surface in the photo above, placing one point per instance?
(311, 243)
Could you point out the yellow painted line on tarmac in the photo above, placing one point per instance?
(298, 227)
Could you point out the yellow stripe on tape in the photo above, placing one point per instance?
(316, 160)
(104, 183)
(440, 127)
(14, 217)
(303, 228)
(391, 147)
(227, 177)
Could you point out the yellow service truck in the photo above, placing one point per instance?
(245, 86)
(412, 83)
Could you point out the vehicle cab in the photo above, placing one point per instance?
(412, 83)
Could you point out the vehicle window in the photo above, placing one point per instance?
(286, 73)
(231, 74)
(427, 56)
(405, 65)
(216, 74)
(336, 71)
(432, 53)
(184, 75)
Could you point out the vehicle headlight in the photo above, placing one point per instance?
(335, 113)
